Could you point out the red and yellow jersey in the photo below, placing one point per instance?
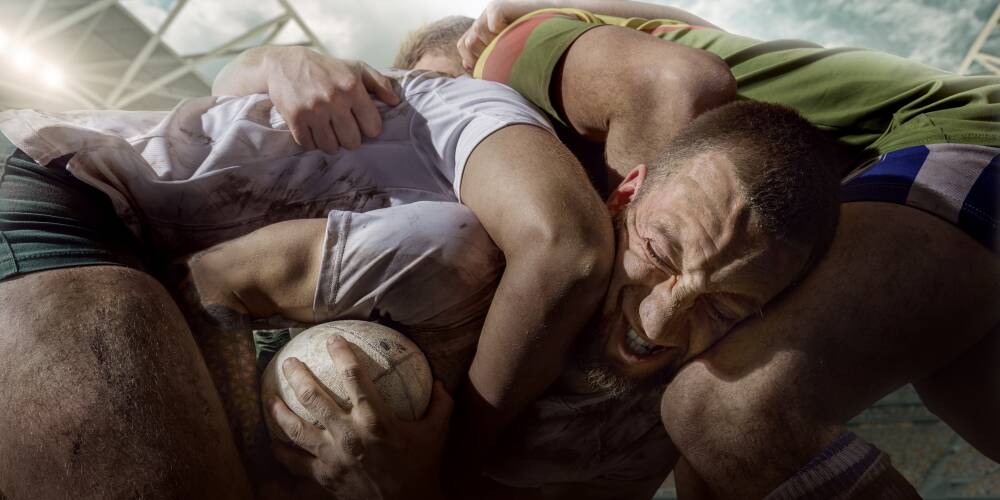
(873, 101)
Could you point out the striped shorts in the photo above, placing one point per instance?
(957, 182)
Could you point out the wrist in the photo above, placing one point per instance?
(276, 60)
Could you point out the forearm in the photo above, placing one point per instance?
(247, 73)
(544, 299)
(536, 204)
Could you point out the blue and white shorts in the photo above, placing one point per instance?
(957, 182)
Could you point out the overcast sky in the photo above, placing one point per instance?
(936, 32)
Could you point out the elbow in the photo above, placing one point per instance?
(577, 257)
(713, 84)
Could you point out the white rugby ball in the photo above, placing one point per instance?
(396, 365)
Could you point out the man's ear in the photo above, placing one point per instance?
(627, 190)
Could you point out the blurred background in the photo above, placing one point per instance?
(150, 54)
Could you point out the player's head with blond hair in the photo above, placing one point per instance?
(433, 46)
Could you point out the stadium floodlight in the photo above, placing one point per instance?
(52, 76)
(24, 59)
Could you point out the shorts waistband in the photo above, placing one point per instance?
(957, 182)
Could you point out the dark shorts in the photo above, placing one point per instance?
(50, 219)
(958, 182)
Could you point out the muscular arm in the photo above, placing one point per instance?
(536, 203)
(635, 92)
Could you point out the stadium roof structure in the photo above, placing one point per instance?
(977, 52)
(109, 59)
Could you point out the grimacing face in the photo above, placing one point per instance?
(690, 264)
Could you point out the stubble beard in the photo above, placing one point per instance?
(590, 359)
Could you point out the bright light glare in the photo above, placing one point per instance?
(24, 59)
(52, 76)
(3, 40)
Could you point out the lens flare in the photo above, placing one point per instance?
(52, 76)
(24, 59)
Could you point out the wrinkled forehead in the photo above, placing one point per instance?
(701, 204)
(701, 222)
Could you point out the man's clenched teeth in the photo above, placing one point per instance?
(639, 346)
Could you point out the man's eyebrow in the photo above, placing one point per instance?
(668, 236)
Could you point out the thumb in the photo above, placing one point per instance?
(380, 85)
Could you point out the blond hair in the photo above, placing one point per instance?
(439, 37)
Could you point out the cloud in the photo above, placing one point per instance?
(372, 31)
(936, 32)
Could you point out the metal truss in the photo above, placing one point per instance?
(989, 61)
(154, 77)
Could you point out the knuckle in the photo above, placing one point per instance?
(350, 85)
(351, 373)
(296, 431)
(314, 104)
(309, 395)
(334, 95)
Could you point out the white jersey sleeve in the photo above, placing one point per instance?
(427, 268)
(458, 113)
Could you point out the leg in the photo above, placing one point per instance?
(900, 294)
(966, 395)
(106, 392)
(270, 272)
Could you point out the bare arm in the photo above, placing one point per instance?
(499, 14)
(536, 203)
(660, 87)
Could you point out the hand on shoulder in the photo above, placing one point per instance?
(325, 100)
